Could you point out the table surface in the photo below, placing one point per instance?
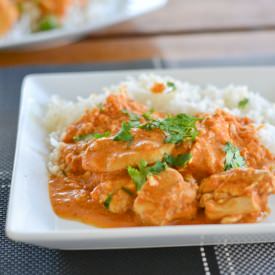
(183, 30)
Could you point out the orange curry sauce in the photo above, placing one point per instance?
(94, 187)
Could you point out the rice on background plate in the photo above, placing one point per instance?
(180, 97)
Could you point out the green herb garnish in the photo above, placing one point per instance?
(131, 115)
(20, 7)
(242, 104)
(100, 106)
(124, 133)
(48, 23)
(134, 118)
(108, 200)
(171, 85)
(177, 161)
(152, 124)
(148, 115)
(91, 136)
(233, 158)
(177, 128)
(128, 191)
(156, 168)
(139, 175)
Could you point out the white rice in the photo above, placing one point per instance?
(186, 98)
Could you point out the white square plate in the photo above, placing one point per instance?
(30, 217)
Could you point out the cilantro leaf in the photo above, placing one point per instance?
(171, 85)
(233, 158)
(139, 175)
(153, 124)
(242, 104)
(142, 165)
(132, 116)
(134, 123)
(100, 106)
(177, 128)
(108, 201)
(128, 191)
(90, 136)
(125, 133)
(148, 115)
(156, 168)
(177, 161)
(48, 22)
(180, 127)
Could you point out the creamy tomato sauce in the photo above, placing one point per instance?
(119, 169)
(71, 200)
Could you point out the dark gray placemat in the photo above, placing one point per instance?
(17, 258)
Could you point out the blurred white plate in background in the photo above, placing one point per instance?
(102, 14)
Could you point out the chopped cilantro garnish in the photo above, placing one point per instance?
(90, 136)
(108, 200)
(48, 22)
(233, 158)
(128, 191)
(152, 124)
(242, 104)
(177, 161)
(139, 175)
(171, 85)
(177, 128)
(97, 135)
(148, 115)
(156, 168)
(131, 115)
(20, 7)
(100, 106)
(125, 132)
(134, 118)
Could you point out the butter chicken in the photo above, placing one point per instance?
(122, 164)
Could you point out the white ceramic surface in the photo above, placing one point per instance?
(30, 217)
(121, 11)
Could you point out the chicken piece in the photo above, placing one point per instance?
(70, 159)
(108, 155)
(236, 195)
(207, 151)
(165, 197)
(8, 15)
(117, 195)
(214, 132)
(254, 152)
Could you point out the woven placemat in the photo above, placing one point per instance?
(17, 258)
